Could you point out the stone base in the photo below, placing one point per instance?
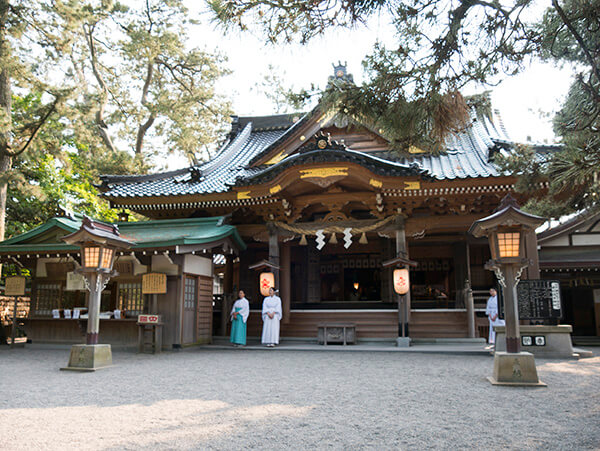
(403, 342)
(517, 369)
(89, 358)
(557, 341)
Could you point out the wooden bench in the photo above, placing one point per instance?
(336, 333)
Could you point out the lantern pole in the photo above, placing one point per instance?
(93, 324)
(401, 263)
(508, 276)
(95, 282)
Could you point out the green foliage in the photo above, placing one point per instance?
(149, 87)
(55, 173)
(96, 87)
(412, 91)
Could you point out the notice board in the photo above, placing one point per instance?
(537, 299)
(154, 283)
(14, 286)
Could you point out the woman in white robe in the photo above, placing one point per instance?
(271, 315)
(491, 310)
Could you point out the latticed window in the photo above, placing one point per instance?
(131, 298)
(189, 298)
(47, 296)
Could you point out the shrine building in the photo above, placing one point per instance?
(324, 202)
(324, 199)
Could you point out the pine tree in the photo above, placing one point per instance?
(412, 91)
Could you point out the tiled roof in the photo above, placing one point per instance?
(215, 176)
(467, 156)
(143, 234)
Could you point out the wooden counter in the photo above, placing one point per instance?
(121, 332)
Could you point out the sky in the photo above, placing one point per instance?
(521, 100)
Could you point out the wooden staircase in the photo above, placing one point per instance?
(438, 324)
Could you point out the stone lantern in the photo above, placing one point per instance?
(505, 230)
(99, 243)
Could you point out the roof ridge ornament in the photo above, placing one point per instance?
(323, 142)
(340, 72)
(507, 201)
(196, 174)
(94, 225)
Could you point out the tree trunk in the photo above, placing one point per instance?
(5, 166)
(6, 106)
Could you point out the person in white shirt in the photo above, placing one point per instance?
(271, 315)
(491, 311)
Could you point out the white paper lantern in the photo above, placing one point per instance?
(267, 280)
(401, 281)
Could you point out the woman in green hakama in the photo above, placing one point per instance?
(239, 316)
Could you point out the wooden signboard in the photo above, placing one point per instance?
(15, 286)
(75, 282)
(154, 283)
(538, 299)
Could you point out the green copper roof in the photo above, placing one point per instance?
(145, 234)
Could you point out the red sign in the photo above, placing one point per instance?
(148, 319)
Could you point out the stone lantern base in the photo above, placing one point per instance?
(517, 369)
(89, 358)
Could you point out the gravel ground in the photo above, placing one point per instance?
(206, 399)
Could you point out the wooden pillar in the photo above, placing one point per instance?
(404, 300)
(228, 296)
(179, 310)
(228, 276)
(313, 274)
(286, 282)
(387, 286)
(470, 306)
(13, 334)
(531, 252)
(461, 271)
(274, 251)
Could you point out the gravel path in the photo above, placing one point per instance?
(292, 400)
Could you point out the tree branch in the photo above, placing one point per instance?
(578, 38)
(36, 129)
(143, 128)
(102, 127)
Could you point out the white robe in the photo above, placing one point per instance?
(270, 332)
(491, 310)
(245, 308)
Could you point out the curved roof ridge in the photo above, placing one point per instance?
(292, 159)
(278, 141)
(230, 148)
(134, 178)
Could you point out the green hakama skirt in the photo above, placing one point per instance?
(238, 330)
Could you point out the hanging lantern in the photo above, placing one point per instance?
(401, 281)
(363, 239)
(508, 243)
(267, 280)
(303, 241)
(333, 239)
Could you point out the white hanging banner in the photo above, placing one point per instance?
(320, 239)
(347, 237)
